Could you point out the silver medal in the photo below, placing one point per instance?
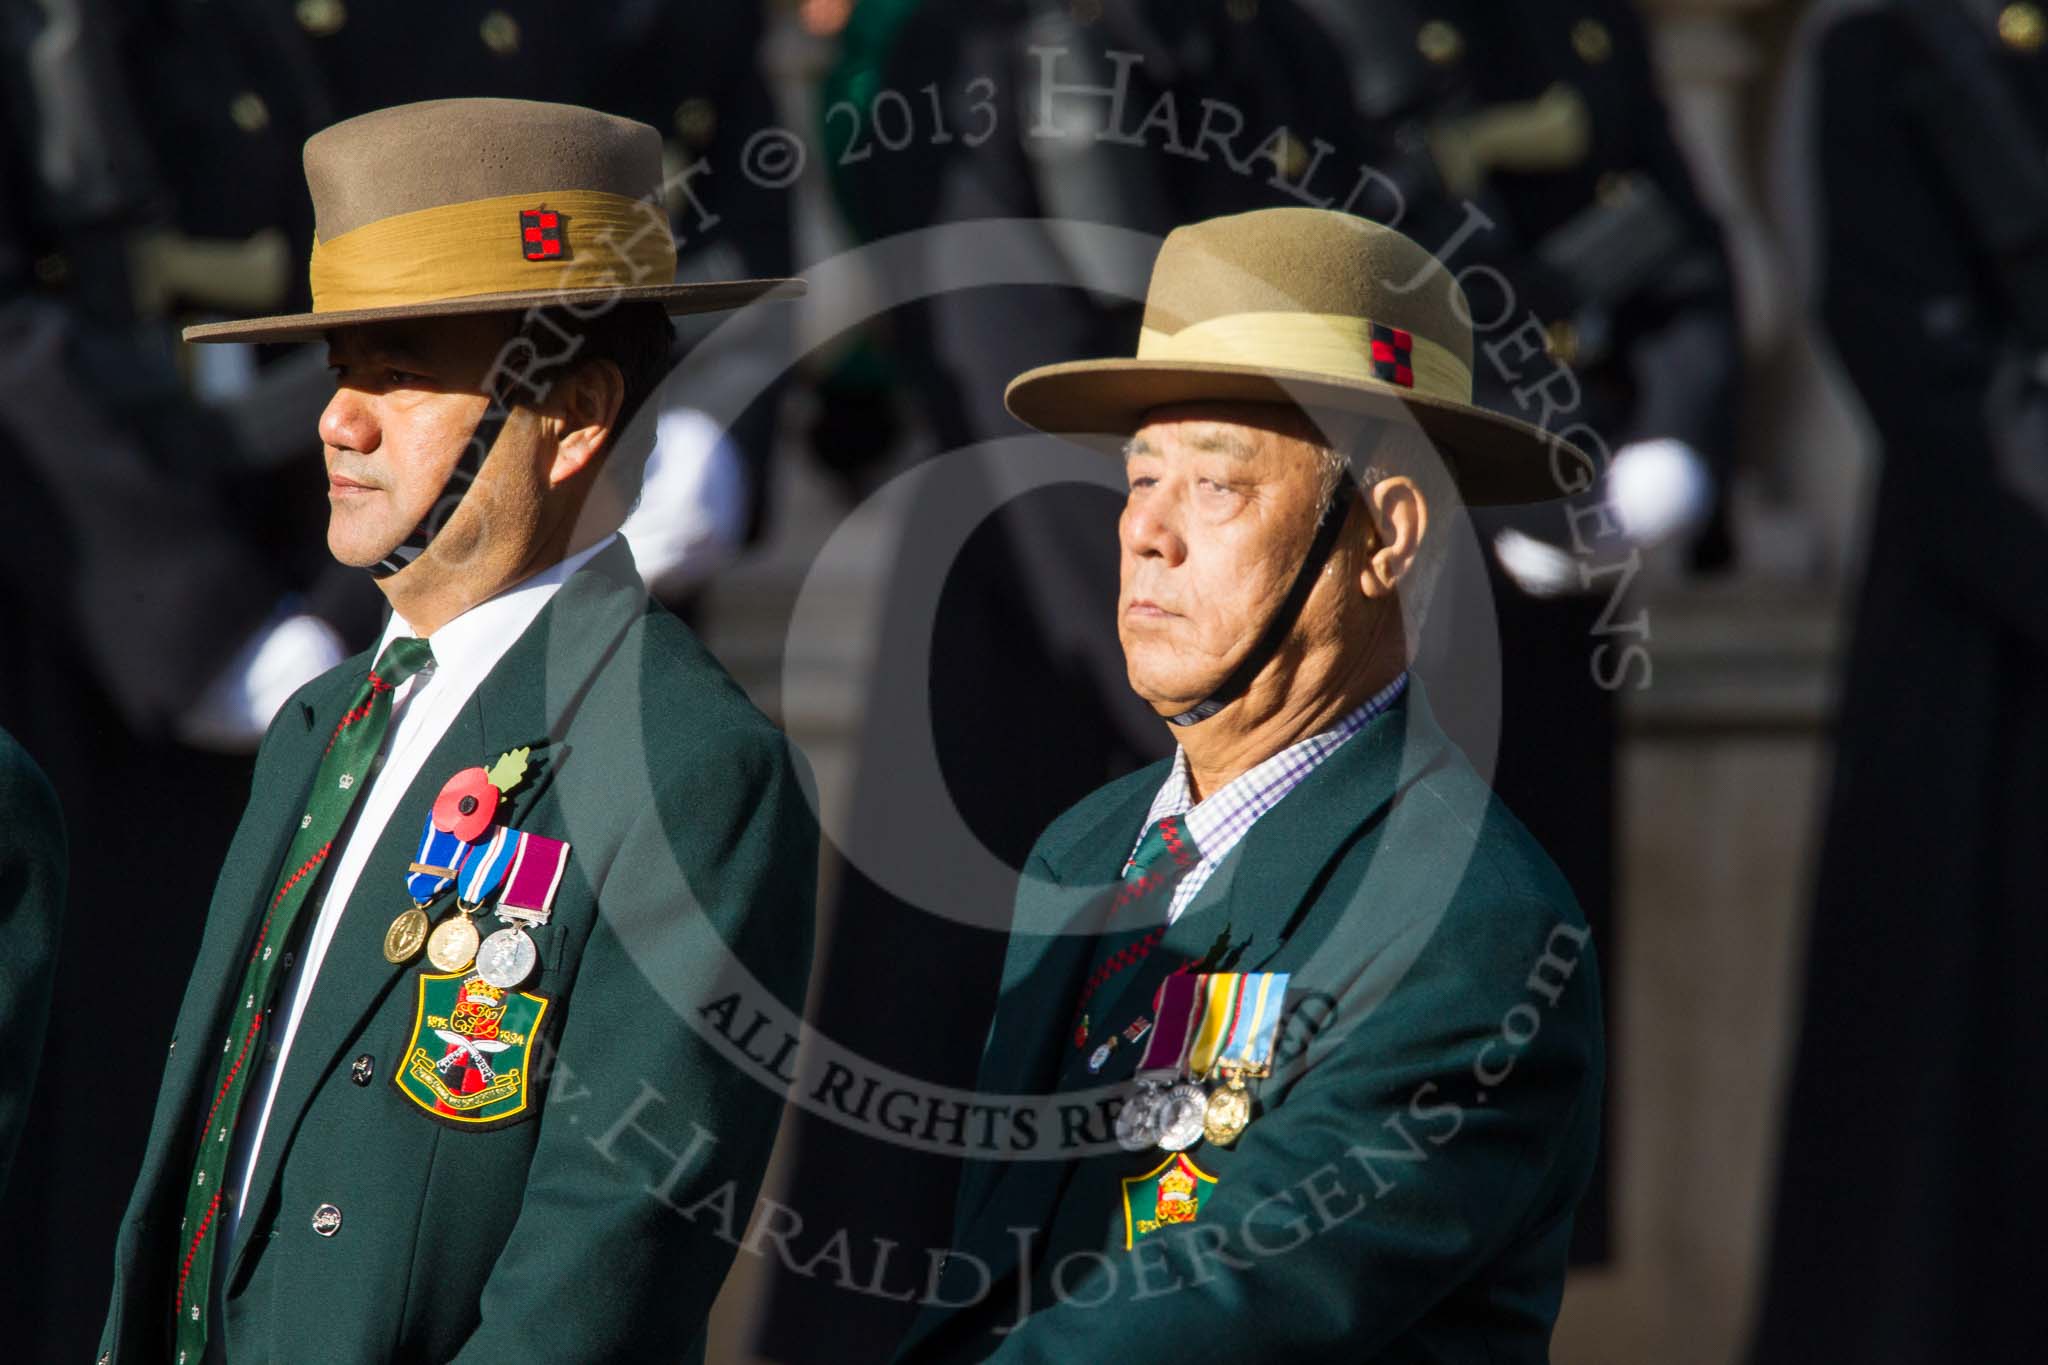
(507, 958)
(1137, 1123)
(1179, 1116)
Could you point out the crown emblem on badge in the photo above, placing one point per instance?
(1177, 1202)
(540, 234)
(482, 993)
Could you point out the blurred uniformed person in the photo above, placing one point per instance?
(1910, 1193)
(152, 600)
(1545, 118)
(32, 875)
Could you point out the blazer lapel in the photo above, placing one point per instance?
(1053, 938)
(529, 698)
(248, 875)
(354, 977)
(1280, 866)
(1286, 857)
(1280, 862)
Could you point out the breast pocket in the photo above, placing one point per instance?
(474, 1055)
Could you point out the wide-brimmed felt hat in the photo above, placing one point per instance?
(1315, 309)
(453, 207)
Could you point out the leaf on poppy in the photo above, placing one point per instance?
(510, 769)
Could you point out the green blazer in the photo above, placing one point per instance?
(32, 876)
(1405, 1189)
(559, 1234)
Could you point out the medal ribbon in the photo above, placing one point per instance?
(489, 866)
(1250, 1048)
(440, 858)
(535, 877)
(1216, 997)
(1173, 1008)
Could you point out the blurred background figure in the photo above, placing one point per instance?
(1910, 1191)
(151, 604)
(159, 543)
(1612, 311)
(32, 875)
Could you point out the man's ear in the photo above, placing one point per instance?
(1400, 516)
(587, 402)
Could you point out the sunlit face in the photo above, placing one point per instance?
(407, 398)
(1222, 505)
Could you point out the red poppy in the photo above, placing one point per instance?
(466, 805)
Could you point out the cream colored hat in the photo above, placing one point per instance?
(1311, 308)
(453, 207)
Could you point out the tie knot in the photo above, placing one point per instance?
(402, 658)
(1166, 846)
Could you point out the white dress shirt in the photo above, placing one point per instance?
(422, 708)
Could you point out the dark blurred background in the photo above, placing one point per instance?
(1773, 691)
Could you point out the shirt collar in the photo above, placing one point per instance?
(472, 643)
(1269, 778)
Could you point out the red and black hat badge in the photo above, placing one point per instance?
(540, 233)
(1393, 356)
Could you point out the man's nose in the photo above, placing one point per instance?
(1149, 531)
(348, 423)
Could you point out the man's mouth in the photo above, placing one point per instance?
(342, 484)
(1146, 608)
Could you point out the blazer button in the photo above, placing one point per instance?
(327, 1220)
(362, 1068)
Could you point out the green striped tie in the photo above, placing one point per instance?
(344, 772)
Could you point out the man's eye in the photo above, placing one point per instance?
(1142, 481)
(387, 377)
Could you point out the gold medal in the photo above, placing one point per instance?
(403, 939)
(1230, 1109)
(452, 945)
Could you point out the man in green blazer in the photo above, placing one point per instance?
(454, 1079)
(32, 877)
(1308, 1024)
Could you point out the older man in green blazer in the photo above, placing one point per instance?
(1312, 1021)
(456, 1054)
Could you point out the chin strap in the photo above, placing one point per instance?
(482, 441)
(1270, 639)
